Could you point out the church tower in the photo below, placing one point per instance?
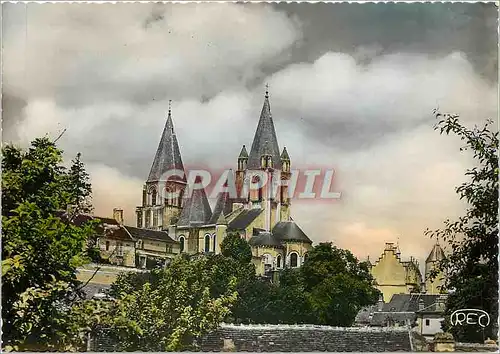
(162, 193)
(433, 286)
(265, 158)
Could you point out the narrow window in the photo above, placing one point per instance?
(207, 243)
(155, 217)
(139, 219)
(107, 245)
(278, 261)
(215, 242)
(181, 242)
(153, 197)
(293, 260)
(427, 322)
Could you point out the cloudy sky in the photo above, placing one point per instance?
(352, 87)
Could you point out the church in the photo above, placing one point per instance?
(263, 219)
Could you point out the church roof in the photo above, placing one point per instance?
(290, 231)
(436, 254)
(244, 219)
(243, 153)
(139, 233)
(222, 207)
(265, 133)
(284, 155)
(196, 210)
(168, 155)
(265, 238)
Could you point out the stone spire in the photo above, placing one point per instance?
(436, 255)
(284, 155)
(168, 155)
(243, 153)
(265, 132)
(196, 210)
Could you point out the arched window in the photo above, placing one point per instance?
(153, 197)
(207, 243)
(215, 242)
(181, 241)
(294, 261)
(278, 261)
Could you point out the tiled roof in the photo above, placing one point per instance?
(265, 133)
(92, 289)
(139, 233)
(168, 155)
(409, 302)
(244, 219)
(222, 206)
(264, 238)
(393, 318)
(290, 231)
(436, 254)
(196, 210)
(108, 227)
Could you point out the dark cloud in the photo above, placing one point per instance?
(437, 29)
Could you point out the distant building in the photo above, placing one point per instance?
(394, 276)
(422, 312)
(434, 285)
(263, 220)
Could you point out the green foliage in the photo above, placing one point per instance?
(171, 313)
(40, 252)
(472, 266)
(337, 285)
(235, 247)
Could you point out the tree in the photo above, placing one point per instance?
(40, 251)
(235, 247)
(472, 267)
(337, 285)
(172, 313)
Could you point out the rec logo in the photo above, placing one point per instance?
(470, 317)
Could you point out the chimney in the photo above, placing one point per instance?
(380, 304)
(421, 305)
(118, 215)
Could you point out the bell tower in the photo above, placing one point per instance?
(265, 158)
(163, 191)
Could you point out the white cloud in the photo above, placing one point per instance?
(372, 123)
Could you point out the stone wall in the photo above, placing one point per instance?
(306, 338)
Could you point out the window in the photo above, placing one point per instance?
(215, 242)
(427, 322)
(155, 217)
(139, 244)
(139, 219)
(306, 256)
(119, 249)
(181, 243)
(278, 261)
(153, 197)
(107, 245)
(148, 219)
(207, 243)
(294, 262)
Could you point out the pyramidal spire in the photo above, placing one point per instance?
(168, 155)
(436, 254)
(265, 132)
